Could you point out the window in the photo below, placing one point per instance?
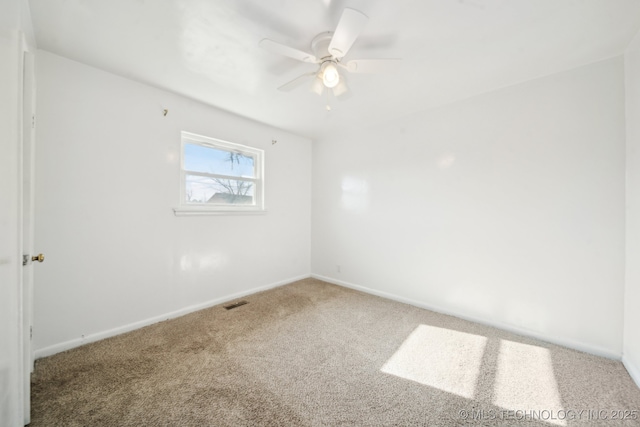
(220, 176)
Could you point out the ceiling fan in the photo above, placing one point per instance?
(329, 48)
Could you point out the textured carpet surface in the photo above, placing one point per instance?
(315, 354)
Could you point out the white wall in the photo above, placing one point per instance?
(631, 350)
(107, 179)
(507, 208)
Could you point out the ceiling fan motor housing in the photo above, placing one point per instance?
(320, 46)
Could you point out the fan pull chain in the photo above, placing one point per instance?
(328, 106)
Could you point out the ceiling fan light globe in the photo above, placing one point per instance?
(340, 89)
(330, 76)
(317, 86)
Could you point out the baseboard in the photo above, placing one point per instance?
(77, 342)
(633, 370)
(576, 345)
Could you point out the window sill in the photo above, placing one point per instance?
(200, 211)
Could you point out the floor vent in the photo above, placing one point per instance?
(235, 304)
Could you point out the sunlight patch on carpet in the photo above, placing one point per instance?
(446, 359)
(525, 382)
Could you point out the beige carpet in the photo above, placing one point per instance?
(314, 354)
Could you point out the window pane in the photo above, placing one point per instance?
(198, 158)
(218, 191)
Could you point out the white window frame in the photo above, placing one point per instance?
(186, 208)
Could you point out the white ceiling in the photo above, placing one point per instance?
(451, 49)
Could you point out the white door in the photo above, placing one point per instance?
(28, 130)
(12, 379)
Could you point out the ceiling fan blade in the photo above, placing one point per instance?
(291, 52)
(351, 24)
(296, 82)
(372, 65)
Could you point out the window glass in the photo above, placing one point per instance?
(199, 158)
(221, 175)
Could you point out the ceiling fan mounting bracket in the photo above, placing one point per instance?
(320, 46)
